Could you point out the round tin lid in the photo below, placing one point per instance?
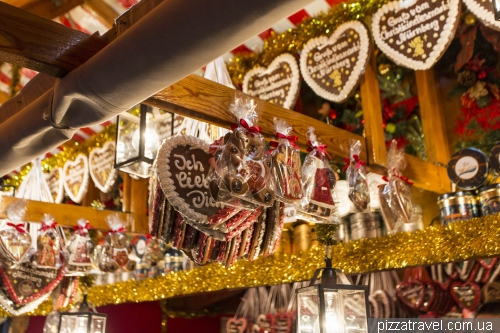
(468, 168)
(488, 187)
(495, 158)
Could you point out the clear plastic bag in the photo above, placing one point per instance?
(241, 170)
(79, 248)
(15, 241)
(395, 197)
(318, 184)
(286, 165)
(359, 192)
(49, 245)
(116, 248)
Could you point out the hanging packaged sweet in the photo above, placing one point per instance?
(359, 192)
(15, 241)
(395, 197)
(80, 247)
(116, 248)
(241, 170)
(286, 165)
(48, 253)
(318, 183)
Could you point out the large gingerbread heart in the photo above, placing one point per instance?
(332, 66)
(234, 325)
(101, 166)
(183, 165)
(415, 33)
(76, 177)
(484, 11)
(278, 84)
(412, 294)
(17, 310)
(467, 295)
(26, 282)
(55, 182)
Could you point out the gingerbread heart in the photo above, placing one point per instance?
(264, 322)
(76, 177)
(282, 323)
(487, 266)
(278, 84)
(415, 33)
(332, 66)
(101, 166)
(467, 295)
(183, 163)
(26, 282)
(234, 325)
(412, 294)
(484, 11)
(15, 244)
(17, 310)
(55, 182)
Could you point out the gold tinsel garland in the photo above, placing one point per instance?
(70, 150)
(475, 238)
(293, 40)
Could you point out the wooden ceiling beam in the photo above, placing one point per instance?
(48, 9)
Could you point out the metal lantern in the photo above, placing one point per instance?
(139, 133)
(329, 307)
(84, 320)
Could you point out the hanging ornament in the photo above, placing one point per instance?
(469, 19)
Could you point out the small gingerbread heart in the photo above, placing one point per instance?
(76, 177)
(101, 165)
(282, 323)
(234, 325)
(15, 242)
(467, 295)
(412, 294)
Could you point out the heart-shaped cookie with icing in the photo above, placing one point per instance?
(234, 325)
(76, 177)
(332, 66)
(484, 11)
(55, 182)
(412, 294)
(101, 166)
(467, 295)
(415, 33)
(17, 310)
(183, 163)
(278, 84)
(14, 243)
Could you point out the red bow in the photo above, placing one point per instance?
(403, 178)
(356, 159)
(19, 227)
(121, 229)
(291, 138)
(320, 148)
(83, 229)
(244, 124)
(48, 226)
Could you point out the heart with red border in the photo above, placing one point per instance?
(234, 325)
(76, 177)
(282, 323)
(484, 11)
(415, 33)
(26, 282)
(412, 294)
(183, 166)
(265, 321)
(101, 166)
(278, 84)
(55, 182)
(467, 295)
(332, 66)
(488, 265)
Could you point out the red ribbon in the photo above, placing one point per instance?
(320, 148)
(244, 124)
(403, 178)
(291, 138)
(121, 229)
(356, 159)
(48, 226)
(19, 227)
(82, 229)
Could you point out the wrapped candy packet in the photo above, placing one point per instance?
(15, 241)
(318, 184)
(80, 247)
(395, 197)
(241, 170)
(116, 248)
(49, 245)
(359, 192)
(286, 165)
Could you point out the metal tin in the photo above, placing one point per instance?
(495, 158)
(489, 197)
(365, 225)
(457, 206)
(303, 237)
(343, 233)
(469, 169)
(416, 221)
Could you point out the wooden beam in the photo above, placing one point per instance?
(427, 175)
(139, 205)
(432, 115)
(43, 45)
(208, 101)
(65, 215)
(45, 8)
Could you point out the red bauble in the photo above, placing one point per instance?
(481, 75)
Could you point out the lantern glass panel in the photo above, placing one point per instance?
(496, 7)
(98, 324)
(128, 126)
(308, 310)
(345, 310)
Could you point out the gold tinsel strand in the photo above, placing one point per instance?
(15, 79)
(70, 150)
(293, 40)
(327, 234)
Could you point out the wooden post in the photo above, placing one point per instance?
(432, 116)
(372, 115)
(126, 196)
(139, 205)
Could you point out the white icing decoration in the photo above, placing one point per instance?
(81, 174)
(8, 305)
(357, 68)
(57, 186)
(97, 166)
(484, 15)
(445, 36)
(294, 84)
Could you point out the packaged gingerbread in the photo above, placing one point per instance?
(49, 245)
(355, 169)
(286, 165)
(241, 170)
(318, 184)
(15, 241)
(116, 248)
(80, 248)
